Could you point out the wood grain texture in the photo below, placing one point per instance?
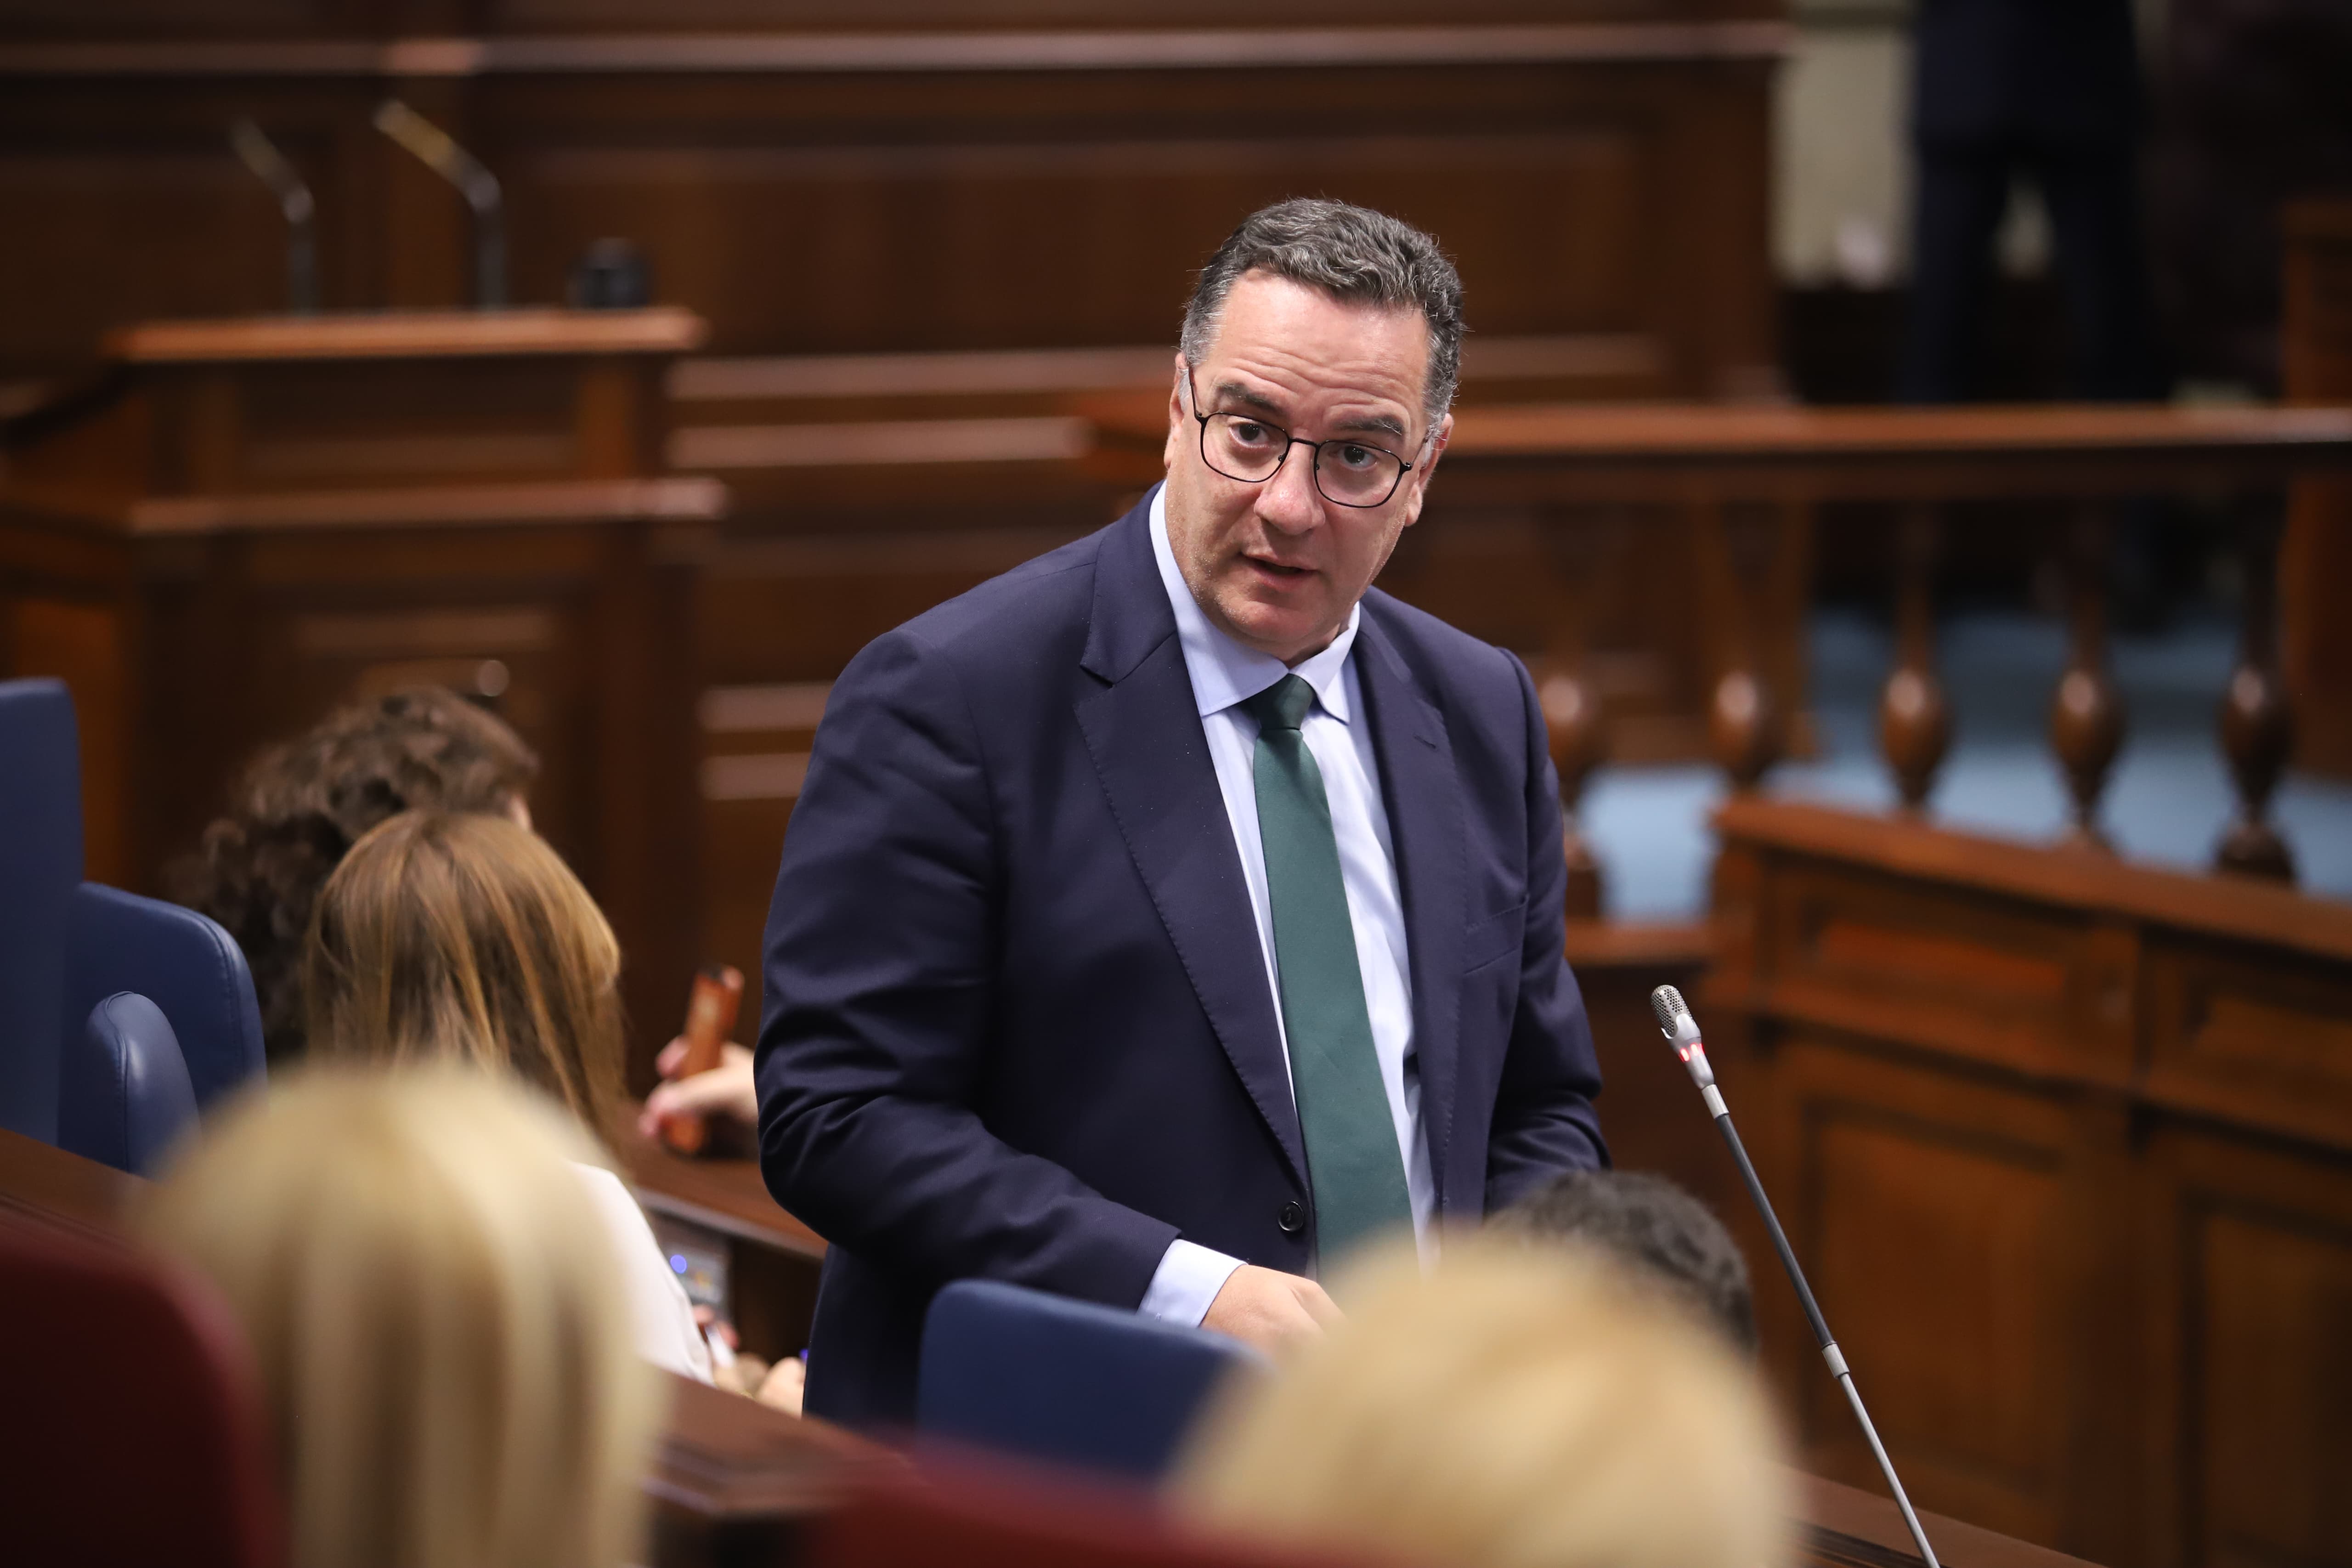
(853, 182)
(2064, 1146)
(2315, 562)
(251, 523)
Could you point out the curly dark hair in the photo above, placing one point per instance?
(1652, 1228)
(300, 805)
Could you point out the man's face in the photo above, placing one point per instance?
(1274, 564)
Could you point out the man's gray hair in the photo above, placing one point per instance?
(1352, 254)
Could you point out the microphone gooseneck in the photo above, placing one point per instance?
(1682, 1033)
(269, 165)
(434, 148)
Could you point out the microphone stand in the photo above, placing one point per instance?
(261, 155)
(435, 150)
(1681, 1032)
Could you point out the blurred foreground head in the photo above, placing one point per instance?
(300, 805)
(1653, 1228)
(447, 936)
(1512, 1408)
(427, 1290)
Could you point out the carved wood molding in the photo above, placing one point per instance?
(1269, 48)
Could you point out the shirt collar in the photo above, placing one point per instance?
(1223, 672)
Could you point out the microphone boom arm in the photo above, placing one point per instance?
(434, 148)
(261, 155)
(1681, 1032)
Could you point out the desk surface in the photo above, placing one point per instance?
(726, 1195)
(1845, 1527)
(409, 334)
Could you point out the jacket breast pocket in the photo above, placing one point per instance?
(1496, 937)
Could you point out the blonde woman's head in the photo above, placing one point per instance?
(458, 935)
(1508, 1409)
(427, 1289)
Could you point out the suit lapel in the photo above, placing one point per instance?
(1424, 799)
(1142, 730)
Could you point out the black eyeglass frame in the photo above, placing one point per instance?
(1313, 469)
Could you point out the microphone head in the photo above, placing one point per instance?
(1674, 1019)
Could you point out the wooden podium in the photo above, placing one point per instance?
(236, 524)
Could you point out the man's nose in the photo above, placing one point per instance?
(1289, 501)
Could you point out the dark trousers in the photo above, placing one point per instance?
(2092, 196)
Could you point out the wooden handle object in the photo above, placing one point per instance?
(711, 1011)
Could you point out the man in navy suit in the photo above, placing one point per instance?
(1163, 918)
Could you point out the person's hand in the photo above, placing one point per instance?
(782, 1387)
(1270, 1310)
(726, 1089)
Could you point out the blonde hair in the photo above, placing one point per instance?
(445, 935)
(1510, 1409)
(428, 1288)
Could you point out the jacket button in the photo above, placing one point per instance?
(1294, 1219)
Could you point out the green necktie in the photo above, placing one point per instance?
(1352, 1162)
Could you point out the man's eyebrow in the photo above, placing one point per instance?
(1229, 392)
(1234, 392)
(1372, 423)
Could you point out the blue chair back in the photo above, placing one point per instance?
(1071, 1383)
(40, 866)
(185, 963)
(124, 1098)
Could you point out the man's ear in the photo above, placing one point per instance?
(1437, 444)
(1169, 449)
(1428, 466)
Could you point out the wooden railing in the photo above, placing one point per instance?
(1748, 473)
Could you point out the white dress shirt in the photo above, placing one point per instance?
(659, 1312)
(1225, 674)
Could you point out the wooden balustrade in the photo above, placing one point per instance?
(1914, 722)
(1752, 476)
(2086, 711)
(2257, 727)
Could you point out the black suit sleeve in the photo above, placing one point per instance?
(1544, 1121)
(881, 978)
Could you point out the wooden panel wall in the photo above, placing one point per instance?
(1596, 169)
(2066, 1149)
(64, 612)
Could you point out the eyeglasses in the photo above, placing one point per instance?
(1347, 472)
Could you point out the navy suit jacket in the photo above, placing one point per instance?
(1017, 1021)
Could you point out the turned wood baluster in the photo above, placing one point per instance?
(1571, 710)
(2257, 724)
(1571, 707)
(2086, 717)
(1914, 722)
(1742, 719)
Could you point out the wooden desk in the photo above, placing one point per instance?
(733, 1482)
(771, 1257)
(1845, 1527)
(2066, 1148)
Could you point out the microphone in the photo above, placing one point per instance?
(437, 152)
(261, 155)
(1682, 1033)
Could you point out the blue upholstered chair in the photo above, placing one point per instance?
(123, 1097)
(1024, 1372)
(40, 866)
(185, 963)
